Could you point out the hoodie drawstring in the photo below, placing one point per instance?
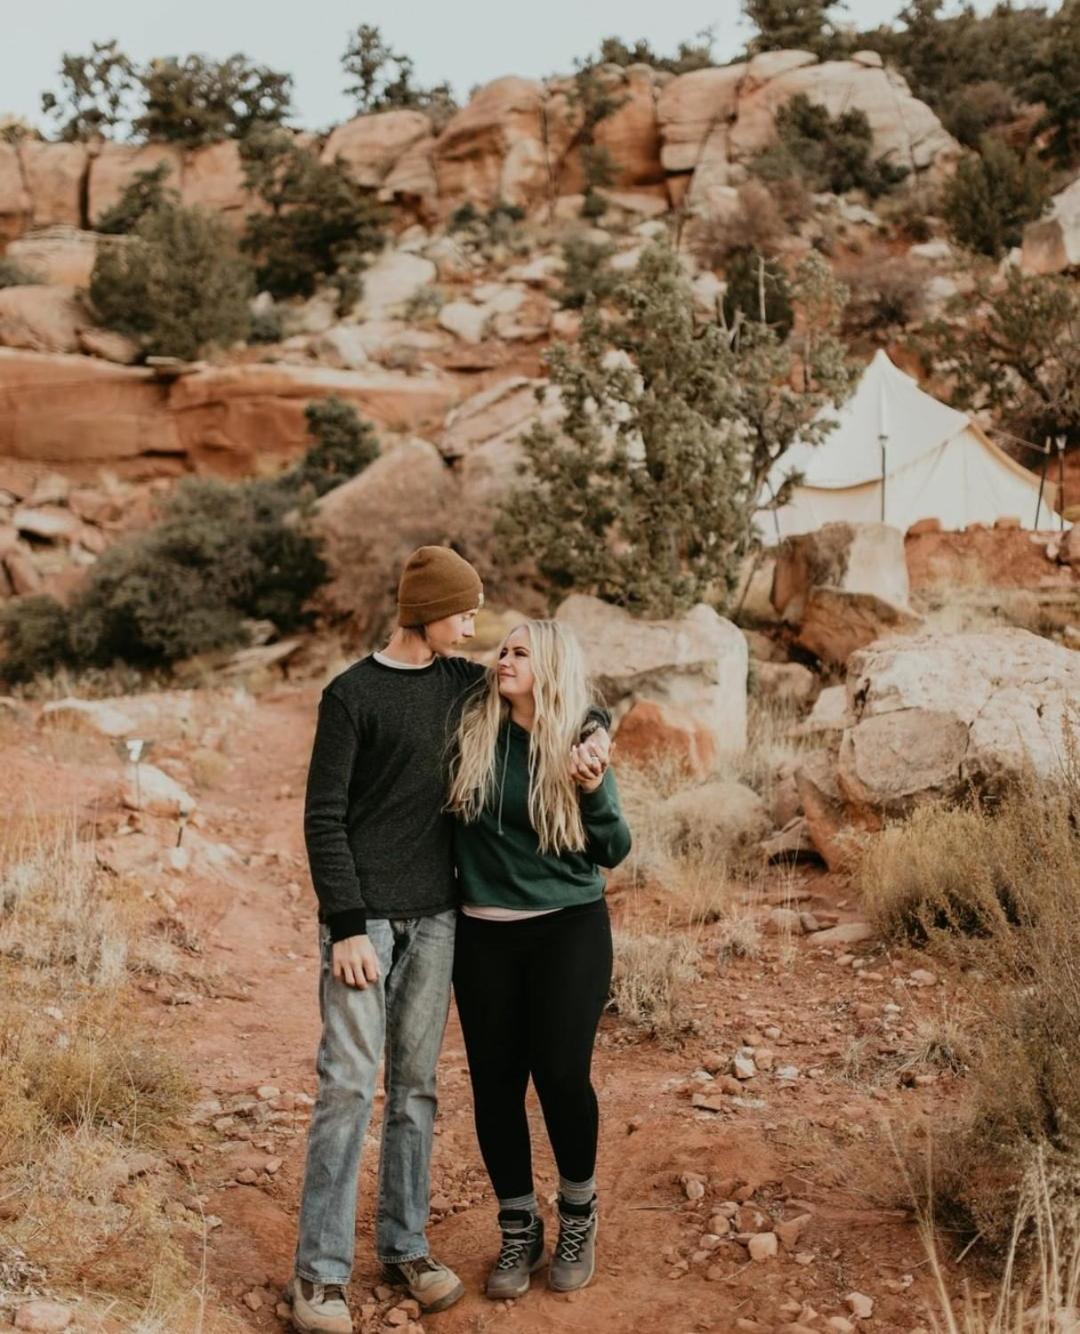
(502, 784)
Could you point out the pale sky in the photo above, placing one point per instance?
(465, 41)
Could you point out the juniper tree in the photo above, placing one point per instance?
(1017, 356)
(644, 493)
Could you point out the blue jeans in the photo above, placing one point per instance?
(405, 1014)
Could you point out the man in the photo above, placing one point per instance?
(379, 847)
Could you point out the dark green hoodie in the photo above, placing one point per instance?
(499, 862)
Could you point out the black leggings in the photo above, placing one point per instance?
(530, 994)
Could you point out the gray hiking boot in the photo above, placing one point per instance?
(521, 1254)
(573, 1262)
(433, 1285)
(319, 1308)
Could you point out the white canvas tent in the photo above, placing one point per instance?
(898, 455)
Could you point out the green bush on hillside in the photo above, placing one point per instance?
(222, 553)
(318, 224)
(344, 445)
(144, 193)
(177, 286)
(831, 153)
(992, 195)
(34, 631)
(587, 274)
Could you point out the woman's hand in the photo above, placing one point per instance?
(589, 760)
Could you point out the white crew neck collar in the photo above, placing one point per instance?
(401, 666)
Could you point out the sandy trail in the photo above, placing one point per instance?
(790, 1146)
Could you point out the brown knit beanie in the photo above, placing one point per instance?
(437, 582)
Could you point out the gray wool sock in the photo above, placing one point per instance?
(577, 1192)
(527, 1204)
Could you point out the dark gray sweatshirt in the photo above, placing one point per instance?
(379, 842)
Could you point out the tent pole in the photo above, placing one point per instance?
(1042, 483)
(1061, 480)
(881, 441)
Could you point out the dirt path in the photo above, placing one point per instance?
(788, 1146)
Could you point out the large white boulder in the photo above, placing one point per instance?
(935, 716)
(850, 557)
(395, 276)
(697, 662)
(1053, 243)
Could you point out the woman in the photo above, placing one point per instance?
(537, 815)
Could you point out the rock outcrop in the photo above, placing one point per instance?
(370, 523)
(71, 410)
(712, 122)
(43, 319)
(658, 735)
(1052, 244)
(937, 716)
(697, 662)
(849, 557)
(843, 585)
(516, 141)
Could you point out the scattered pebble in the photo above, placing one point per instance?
(860, 1306)
(762, 1246)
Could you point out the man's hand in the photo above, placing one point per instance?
(355, 962)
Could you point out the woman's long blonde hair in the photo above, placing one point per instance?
(562, 697)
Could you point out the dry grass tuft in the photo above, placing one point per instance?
(651, 983)
(1039, 1291)
(995, 888)
(81, 1091)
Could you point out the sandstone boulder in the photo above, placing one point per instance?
(938, 715)
(41, 319)
(836, 622)
(370, 523)
(661, 735)
(213, 179)
(904, 129)
(630, 135)
(851, 557)
(54, 174)
(392, 343)
(412, 178)
(226, 417)
(465, 320)
(829, 716)
(690, 107)
(110, 346)
(493, 148)
(482, 435)
(68, 409)
(698, 662)
(390, 281)
(74, 409)
(836, 828)
(60, 256)
(1053, 243)
(15, 201)
(371, 146)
